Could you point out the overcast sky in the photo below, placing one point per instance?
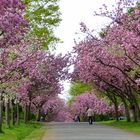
(74, 12)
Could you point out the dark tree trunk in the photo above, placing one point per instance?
(29, 112)
(25, 114)
(135, 108)
(38, 115)
(29, 107)
(17, 116)
(127, 113)
(116, 111)
(12, 112)
(113, 97)
(136, 112)
(7, 120)
(1, 108)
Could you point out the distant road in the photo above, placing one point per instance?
(83, 131)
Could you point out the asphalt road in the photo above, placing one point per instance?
(83, 131)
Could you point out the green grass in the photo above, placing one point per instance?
(36, 134)
(127, 126)
(20, 132)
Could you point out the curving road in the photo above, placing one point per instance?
(83, 131)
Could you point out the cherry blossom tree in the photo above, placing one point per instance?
(57, 110)
(111, 62)
(80, 104)
(13, 27)
(29, 75)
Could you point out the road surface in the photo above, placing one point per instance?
(83, 131)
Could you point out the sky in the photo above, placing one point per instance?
(73, 13)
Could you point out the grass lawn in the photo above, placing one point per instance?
(36, 134)
(22, 131)
(127, 126)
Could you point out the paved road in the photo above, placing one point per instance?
(83, 131)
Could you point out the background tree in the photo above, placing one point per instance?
(100, 106)
(76, 88)
(43, 17)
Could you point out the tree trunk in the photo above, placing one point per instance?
(127, 113)
(38, 115)
(29, 112)
(134, 114)
(29, 107)
(137, 110)
(12, 112)
(7, 120)
(116, 111)
(1, 108)
(17, 117)
(113, 98)
(25, 114)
